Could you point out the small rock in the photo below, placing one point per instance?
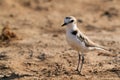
(55, 35)
(42, 56)
(80, 20)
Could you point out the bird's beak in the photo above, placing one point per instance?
(64, 24)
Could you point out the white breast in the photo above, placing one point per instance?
(74, 42)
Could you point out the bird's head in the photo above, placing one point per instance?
(70, 20)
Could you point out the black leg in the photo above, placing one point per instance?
(78, 61)
(82, 62)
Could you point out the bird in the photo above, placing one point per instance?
(78, 41)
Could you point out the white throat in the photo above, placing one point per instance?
(71, 27)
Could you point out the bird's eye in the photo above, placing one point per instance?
(71, 21)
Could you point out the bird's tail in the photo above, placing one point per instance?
(98, 47)
(106, 50)
(103, 48)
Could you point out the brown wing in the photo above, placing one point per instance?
(87, 41)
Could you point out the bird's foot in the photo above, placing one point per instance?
(79, 72)
(77, 69)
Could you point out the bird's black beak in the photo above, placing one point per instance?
(64, 24)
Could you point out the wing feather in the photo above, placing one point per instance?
(88, 42)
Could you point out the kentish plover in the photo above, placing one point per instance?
(78, 41)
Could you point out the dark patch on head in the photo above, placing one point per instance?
(74, 32)
(68, 17)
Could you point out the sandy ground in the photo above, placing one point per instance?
(43, 53)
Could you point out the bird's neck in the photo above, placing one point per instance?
(71, 27)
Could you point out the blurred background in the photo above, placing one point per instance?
(41, 52)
